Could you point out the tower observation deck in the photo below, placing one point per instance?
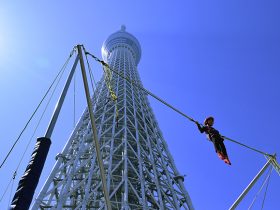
(121, 39)
(140, 171)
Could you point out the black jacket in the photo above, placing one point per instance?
(211, 132)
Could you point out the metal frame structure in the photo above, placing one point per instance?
(140, 171)
(271, 160)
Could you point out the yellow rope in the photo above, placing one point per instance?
(109, 84)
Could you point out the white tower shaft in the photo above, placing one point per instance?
(140, 171)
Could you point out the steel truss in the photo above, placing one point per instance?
(140, 171)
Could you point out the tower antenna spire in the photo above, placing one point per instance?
(123, 27)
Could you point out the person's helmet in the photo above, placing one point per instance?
(208, 118)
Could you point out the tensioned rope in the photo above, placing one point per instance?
(265, 181)
(264, 197)
(40, 103)
(6, 189)
(10, 196)
(92, 79)
(170, 106)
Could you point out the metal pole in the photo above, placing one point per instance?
(28, 183)
(93, 126)
(60, 101)
(243, 194)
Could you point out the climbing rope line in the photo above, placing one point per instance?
(35, 111)
(256, 150)
(266, 180)
(168, 105)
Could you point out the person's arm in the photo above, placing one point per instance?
(201, 129)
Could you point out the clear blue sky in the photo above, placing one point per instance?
(217, 58)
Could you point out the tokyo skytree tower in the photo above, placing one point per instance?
(140, 171)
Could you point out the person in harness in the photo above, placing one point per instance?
(214, 136)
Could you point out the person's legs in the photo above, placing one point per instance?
(216, 145)
(224, 152)
(218, 148)
(221, 150)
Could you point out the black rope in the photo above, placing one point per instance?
(29, 120)
(167, 104)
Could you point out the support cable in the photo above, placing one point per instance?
(29, 120)
(92, 80)
(6, 189)
(251, 148)
(59, 76)
(264, 182)
(168, 105)
(39, 122)
(42, 115)
(10, 197)
(266, 188)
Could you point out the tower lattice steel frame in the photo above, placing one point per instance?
(140, 171)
